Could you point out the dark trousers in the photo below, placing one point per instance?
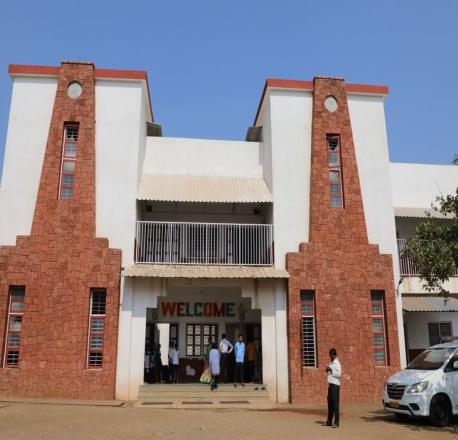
(251, 365)
(214, 382)
(333, 403)
(174, 373)
(238, 372)
(224, 366)
(158, 375)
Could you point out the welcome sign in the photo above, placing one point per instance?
(198, 309)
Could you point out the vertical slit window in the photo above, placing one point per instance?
(68, 165)
(96, 328)
(309, 358)
(14, 326)
(335, 171)
(378, 327)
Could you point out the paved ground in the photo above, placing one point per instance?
(33, 421)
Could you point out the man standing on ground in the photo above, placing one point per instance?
(334, 371)
(251, 351)
(225, 348)
(239, 351)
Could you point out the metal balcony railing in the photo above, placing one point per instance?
(204, 243)
(407, 265)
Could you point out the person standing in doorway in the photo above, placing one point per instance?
(239, 351)
(334, 371)
(225, 348)
(158, 364)
(214, 362)
(174, 362)
(147, 367)
(251, 351)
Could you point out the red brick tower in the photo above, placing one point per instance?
(341, 268)
(58, 265)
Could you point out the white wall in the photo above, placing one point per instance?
(28, 126)
(138, 295)
(414, 285)
(367, 117)
(418, 185)
(202, 157)
(417, 326)
(120, 138)
(289, 115)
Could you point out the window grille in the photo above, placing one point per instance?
(96, 328)
(68, 165)
(335, 172)
(378, 327)
(14, 326)
(309, 358)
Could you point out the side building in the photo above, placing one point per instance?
(115, 239)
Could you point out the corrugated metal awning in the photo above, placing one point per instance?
(203, 189)
(182, 271)
(416, 212)
(425, 303)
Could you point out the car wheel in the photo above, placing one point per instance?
(440, 411)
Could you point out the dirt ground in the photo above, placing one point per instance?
(33, 421)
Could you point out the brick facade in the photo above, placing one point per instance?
(342, 268)
(59, 263)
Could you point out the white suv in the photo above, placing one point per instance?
(428, 387)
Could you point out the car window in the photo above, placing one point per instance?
(430, 359)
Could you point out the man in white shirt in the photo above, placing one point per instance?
(225, 348)
(174, 362)
(334, 371)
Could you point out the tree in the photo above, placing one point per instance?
(434, 248)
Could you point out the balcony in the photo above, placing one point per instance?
(204, 243)
(407, 265)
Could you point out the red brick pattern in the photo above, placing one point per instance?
(342, 267)
(58, 264)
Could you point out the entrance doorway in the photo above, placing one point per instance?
(190, 321)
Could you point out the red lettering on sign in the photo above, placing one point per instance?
(208, 309)
(180, 309)
(218, 311)
(168, 308)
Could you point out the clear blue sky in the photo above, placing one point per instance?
(207, 60)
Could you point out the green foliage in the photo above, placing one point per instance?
(434, 248)
(455, 159)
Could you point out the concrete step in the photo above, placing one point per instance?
(200, 395)
(198, 390)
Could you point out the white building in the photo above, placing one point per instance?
(205, 226)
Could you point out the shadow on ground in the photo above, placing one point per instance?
(417, 424)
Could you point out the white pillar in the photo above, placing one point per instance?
(266, 299)
(281, 326)
(124, 339)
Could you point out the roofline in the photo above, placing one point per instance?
(291, 84)
(53, 71)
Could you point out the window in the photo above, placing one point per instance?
(439, 332)
(308, 328)
(335, 172)
(14, 326)
(96, 328)
(378, 327)
(197, 338)
(68, 166)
